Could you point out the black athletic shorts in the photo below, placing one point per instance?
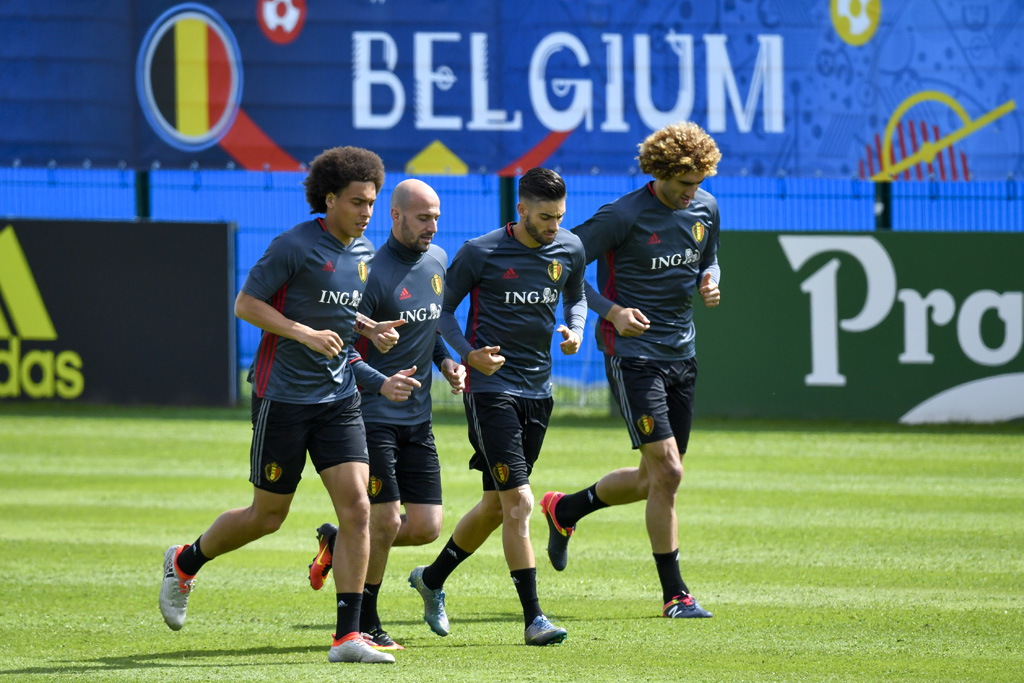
(282, 433)
(506, 433)
(403, 463)
(654, 396)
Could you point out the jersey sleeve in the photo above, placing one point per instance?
(574, 301)
(366, 376)
(440, 351)
(275, 268)
(463, 274)
(603, 231)
(709, 260)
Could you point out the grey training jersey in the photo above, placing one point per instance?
(311, 278)
(513, 290)
(651, 257)
(403, 285)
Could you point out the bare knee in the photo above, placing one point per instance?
(664, 468)
(266, 522)
(423, 531)
(385, 522)
(517, 504)
(668, 477)
(491, 511)
(354, 513)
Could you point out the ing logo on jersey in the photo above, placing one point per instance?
(374, 486)
(273, 472)
(500, 472)
(554, 270)
(698, 231)
(436, 284)
(646, 424)
(362, 270)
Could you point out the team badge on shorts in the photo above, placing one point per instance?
(646, 424)
(698, 231)
(436, 283)
(361, 269)
(273, 472)
(374, 486)
(500, 472)
(554, 270)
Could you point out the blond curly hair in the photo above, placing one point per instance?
(679, 148)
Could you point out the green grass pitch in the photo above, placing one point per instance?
(827, 552)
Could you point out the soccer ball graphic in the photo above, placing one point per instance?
(280, 15)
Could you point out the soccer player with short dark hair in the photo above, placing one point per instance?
(406, 283)
(655, 247)
(514, 277)
(302, 293)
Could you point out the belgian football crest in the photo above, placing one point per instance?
(500, 472)
(361, 269)
(646, 424)
(374, 486)
(436, 283)
(554, 270)
(273, 472)
(698, 231)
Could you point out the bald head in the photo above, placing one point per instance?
(415, 208)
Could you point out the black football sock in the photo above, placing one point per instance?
(668, 573)
(573, 507)
(368, 618)
(450, 557)
(349, 605)
(526, 585)
(191, 559)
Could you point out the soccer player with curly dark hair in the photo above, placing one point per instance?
(655, 247)
(304, 293)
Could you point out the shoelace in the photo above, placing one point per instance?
(185, 587)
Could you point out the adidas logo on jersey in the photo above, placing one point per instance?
(405, 294)
(654, 239)
(510, 275)
(329, 267)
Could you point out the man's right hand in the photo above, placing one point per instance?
(398, 387)
(486, 359)
(326, 342)
(629, 322)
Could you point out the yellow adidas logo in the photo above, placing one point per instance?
(40, 373)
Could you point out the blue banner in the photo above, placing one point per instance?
(833, 88)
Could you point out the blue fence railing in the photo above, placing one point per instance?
(262, 204)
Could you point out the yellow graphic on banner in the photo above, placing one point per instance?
(856, 20)
(929, 149)
(36, 373)
(20, 293)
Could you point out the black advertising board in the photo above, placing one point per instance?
(117, 312)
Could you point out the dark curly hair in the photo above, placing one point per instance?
(335, 168)
(679, 148)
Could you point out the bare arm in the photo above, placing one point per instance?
(266, 317)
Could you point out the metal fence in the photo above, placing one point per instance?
(262, 204)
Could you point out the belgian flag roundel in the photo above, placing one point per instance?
(189, 77)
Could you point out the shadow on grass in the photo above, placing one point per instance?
(169, 658)
(476, 618)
